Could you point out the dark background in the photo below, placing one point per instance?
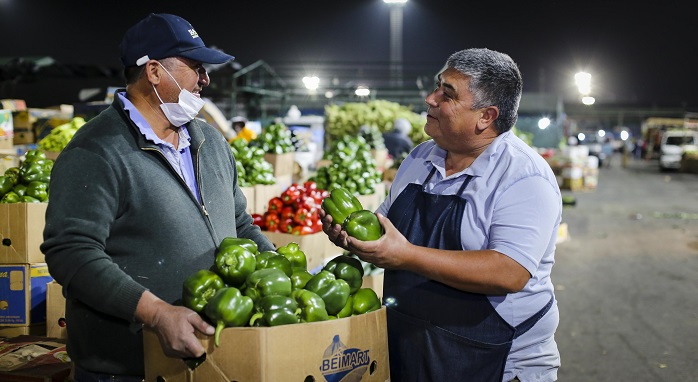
(643, 54)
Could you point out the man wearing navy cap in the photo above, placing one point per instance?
(140, 199)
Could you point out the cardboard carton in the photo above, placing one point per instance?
(283, 163)
(23, 294)
(250, 196)
(14, 331)
(6, 126)
(55, 311)
(348, 349)
(22, 232)
(314, 245)
(262, 194)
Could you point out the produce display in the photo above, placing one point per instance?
(353, 167)
(348, 118)
(250, 163)
(60, 135)
(295, 211)
(245, 287)
(347, 210)
(28, 183)
(274, 139)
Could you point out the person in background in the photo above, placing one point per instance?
(141, 198)
(470, 225)
(241, 129)
(607, 150)
(397, 140)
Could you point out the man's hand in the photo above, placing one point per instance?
(389, 252)
(334, 231)
(175, 326)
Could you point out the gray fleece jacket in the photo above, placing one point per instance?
(121, 221)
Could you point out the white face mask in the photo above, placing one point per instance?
(185, 110)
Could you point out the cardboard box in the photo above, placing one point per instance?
(262, 194)
(374, 282)
(14, 331)
(23, 294)
(348, 349)
(6, 125)
(314, 245)
(55, 311)
(22, 136)
(283, 163)
(13, 104)
(249, 195)
(22, 232)
(34, 359)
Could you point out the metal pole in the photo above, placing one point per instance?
(396, 46)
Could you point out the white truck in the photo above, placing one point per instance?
(673, 144)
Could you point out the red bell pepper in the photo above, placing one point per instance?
(302, 230)
(275, 205)
(258, 220)
(305, 216)
(286, 225)
(291, 194)
(271, 221)
(287, 213)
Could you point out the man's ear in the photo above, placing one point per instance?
(152, 71)
(489, 115)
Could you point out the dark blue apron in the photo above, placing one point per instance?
(436, 332)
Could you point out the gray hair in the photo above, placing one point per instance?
(495, 80)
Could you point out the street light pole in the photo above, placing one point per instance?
(395, 41)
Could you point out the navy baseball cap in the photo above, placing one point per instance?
(162, 35)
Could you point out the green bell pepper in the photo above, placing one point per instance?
(20, 189)
(267, 282)
(300, 278)
(199, 288)
(312, 307)
(234, 263)
(228, 308)
(294, 254)
(13, 174)
(271, 259)
(348, 269)
(10, 197)
(38, 190)
(334, 292)
(249, 244)
(363, 225)
(34, 171)
(365, 300)
(275, 311)
(347, 310)
(34, 154)
(28, 199)
(340, 204)
(6, 184)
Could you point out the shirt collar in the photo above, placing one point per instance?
(147, 131)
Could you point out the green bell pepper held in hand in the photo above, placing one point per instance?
(348, 269)
(365, 300)
(228, 308)
(363, 225)
(340, 204)
(300, 278)
(249, 244)
(234, 263)
(334, 292)
(199, 288)
(295, 255)
(275, 311)
(271, 259)
(312, 307)
(267, 282)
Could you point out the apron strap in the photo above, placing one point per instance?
(528, 324)
(460, 190)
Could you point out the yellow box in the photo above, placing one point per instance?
(22, 232)
(347, 349)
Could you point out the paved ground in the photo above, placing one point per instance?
(627, 279)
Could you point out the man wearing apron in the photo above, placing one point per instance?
(470, 225)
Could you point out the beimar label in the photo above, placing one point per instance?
(342, 364)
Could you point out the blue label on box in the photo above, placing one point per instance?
(341, 363)
(23, 293)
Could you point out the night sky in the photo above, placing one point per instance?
(637, 53)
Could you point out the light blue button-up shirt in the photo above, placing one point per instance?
(179, 158)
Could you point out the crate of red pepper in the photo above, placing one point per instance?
(294, 216)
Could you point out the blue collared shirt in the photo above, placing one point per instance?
(180, 158)
(513, 207)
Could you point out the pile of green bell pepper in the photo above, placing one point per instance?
(251, 166)
(245, 287)
(28, 183)
(352, 167)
